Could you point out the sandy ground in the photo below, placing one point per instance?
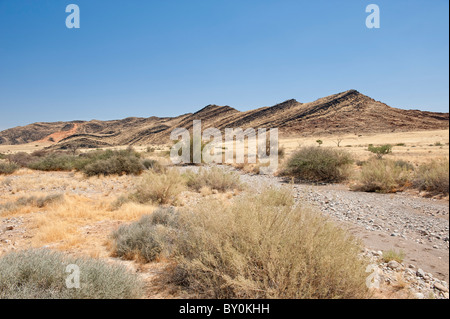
(417, 147)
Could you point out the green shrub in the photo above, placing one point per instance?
(41, 274)
(383, 176)
(252, 249)
(8, 168)
(380, 151)
(433, 177)
(116, 165)
(55, 162)
(214, 178)
(316, 164)
(145, 239)
(159, 188)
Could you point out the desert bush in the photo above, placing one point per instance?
(92, 164)
(392, 254)
(383, 176)
(41, 274)
(35, 201)
(115, 165)
(281, 152)
(22, 159)
(8, 168)
(214, 178)
(3, 156)
(404, 164)
(146, 238)
(277, 197)
(153, 165)
(159, 188)
(380, 151)
(318, 164)
(253, 249)
(54, 162)
(433, 177)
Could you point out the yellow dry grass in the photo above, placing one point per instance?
(62, 222)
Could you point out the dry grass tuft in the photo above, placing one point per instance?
(433, 177)
(382, 176)
(41, 274)
(161, 188)
(214, 178)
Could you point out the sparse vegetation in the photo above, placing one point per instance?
(8, 168)
(382, 176)
(159, 188)
(146, 238)
(55, 162)
(404, 164)
(315, 164)
(392, 254)
(256, 249)
(380, 151)
(433, 177)
(22, 159)
(115, 165)
(214, 178)
(35, 201)
(91, 164)
(41, 274)
(154, 165)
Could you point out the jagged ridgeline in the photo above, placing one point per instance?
(343, 113)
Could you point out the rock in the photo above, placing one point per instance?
(10, 228)
(420, 273)
(395, 234)
(440, 287)
(393, 264)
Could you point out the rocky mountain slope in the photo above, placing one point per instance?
(343, 113)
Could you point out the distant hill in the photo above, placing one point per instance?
(343, 113)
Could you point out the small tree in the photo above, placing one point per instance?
(338, 141)
(320, 142)
(380, 151)
(73, 148)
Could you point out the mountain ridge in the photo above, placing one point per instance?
(345, 112)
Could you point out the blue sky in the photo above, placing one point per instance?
(164, 58)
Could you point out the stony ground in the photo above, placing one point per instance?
(415, 225)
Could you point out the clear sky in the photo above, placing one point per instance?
(164, 58)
